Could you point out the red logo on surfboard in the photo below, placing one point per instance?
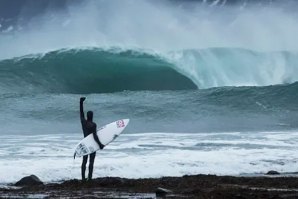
(120, 124)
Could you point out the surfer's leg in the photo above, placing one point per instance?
(83, 168)
(91, 162)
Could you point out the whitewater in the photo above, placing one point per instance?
(209, 88)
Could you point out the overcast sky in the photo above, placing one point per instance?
(27, 8)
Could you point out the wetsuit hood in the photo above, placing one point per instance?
(90, 116)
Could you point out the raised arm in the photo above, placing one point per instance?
(82, 99)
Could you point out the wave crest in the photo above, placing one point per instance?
(91, 71)
(97, 70)
(217, 67)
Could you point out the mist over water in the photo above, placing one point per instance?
(159, 26)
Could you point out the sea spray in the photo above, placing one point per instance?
(159, 26)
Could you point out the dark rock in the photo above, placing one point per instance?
(29, 181)
(196, 186)
(161, 192)
(272, 173)
(108, 181)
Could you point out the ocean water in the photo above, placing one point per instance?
(209, 88)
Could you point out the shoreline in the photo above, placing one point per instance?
(189, 186)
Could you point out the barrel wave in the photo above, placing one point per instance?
(97, 70)
(90, 71)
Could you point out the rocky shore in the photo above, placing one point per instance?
(194, 186)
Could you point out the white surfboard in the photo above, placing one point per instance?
(106, 135)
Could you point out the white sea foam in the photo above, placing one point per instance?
(150, 155)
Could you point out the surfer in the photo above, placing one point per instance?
(88, 127)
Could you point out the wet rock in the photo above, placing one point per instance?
(29, 181)
(272, 173)
(107, 181)
(161, 192)
(196, 186)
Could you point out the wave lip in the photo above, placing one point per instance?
(219, 67)
(97, 70)
(92, 71)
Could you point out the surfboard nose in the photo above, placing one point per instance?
(126, 121)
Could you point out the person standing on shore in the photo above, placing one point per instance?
(88, 127)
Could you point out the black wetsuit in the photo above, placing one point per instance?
(88, 127)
